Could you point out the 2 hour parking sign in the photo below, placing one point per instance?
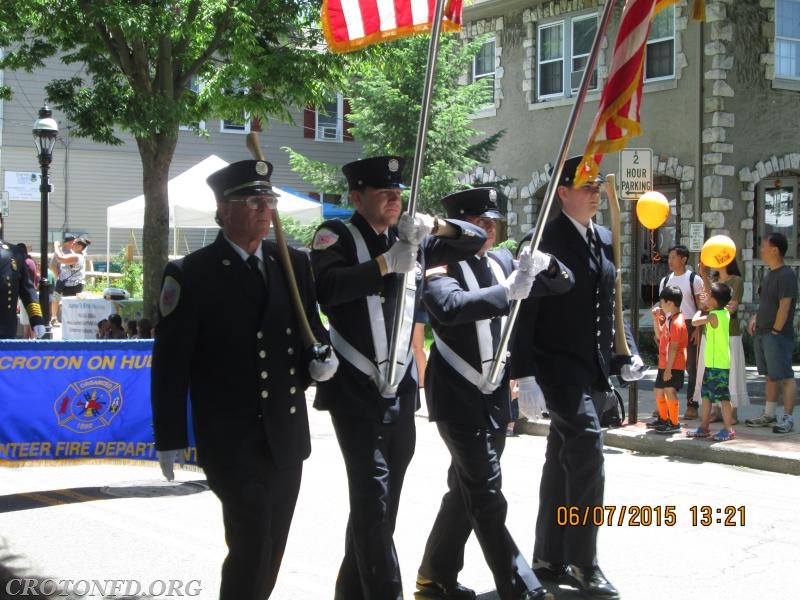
(635, 173)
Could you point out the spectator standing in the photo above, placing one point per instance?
(115, 329)
(145, 328)
(673, 338)
(691, 287)
(131, 329)
(773, 328)
(72, 268)
(717, 363)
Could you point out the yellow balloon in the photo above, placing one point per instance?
(718, 251)
(652, 209)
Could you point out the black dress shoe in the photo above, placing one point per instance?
(430, 589)
(537, 594)
(546, 571)
(591, 582)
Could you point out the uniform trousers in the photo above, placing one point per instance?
(258, 501)
(572, 475)
(475, 501)
(376, 456)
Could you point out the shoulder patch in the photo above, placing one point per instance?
(436, 271)
(170, 295)
(324, 238)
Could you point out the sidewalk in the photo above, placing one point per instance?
(754, 447)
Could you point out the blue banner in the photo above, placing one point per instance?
(82, 400)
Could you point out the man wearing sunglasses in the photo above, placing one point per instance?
(566, 342)
(228, 335)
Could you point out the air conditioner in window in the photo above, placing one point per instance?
(328, 133)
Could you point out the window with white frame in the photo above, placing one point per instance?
(787, 39)
(483, 67)
(330, 120)
(236, 126)
(195, 85)
(777, 202)
(660, 54)
(563, 50)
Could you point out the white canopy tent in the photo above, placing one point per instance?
(192, 204)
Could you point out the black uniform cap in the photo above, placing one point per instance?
(243, 178)
(379, 172)
(568, 172)
(476, 202)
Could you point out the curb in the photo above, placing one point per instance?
(634, 438)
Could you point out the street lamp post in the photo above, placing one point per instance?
(45, 131)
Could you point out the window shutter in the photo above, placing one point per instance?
(347, 136)
(310, 122)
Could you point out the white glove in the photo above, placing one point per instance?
(533, 263)
(39, 331)
(322, 370)
(413, 229)
(401, 257)
(518, 285)
(166, 460)
(635, 370)
(530, 398)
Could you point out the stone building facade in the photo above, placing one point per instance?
(720, 111)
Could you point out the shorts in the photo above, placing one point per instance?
(715, 385)
(774, 355)
(676, 381)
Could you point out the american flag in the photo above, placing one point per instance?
(352, 24)
(617, 117)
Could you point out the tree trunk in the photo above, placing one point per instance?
(156, 153)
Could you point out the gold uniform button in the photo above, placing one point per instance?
(292, 390)
(260, 335)
(292, 410)
(262, 354)
(264, 394)
(263, 374)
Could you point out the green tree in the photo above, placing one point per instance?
(384, 87)
(141, 57)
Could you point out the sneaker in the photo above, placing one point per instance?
(655, 423)
(785, 426)
(668, 428)
(762, 421)
(724, 435)
(691, 413)
(699, 432)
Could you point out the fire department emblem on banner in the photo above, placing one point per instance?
(88, 404)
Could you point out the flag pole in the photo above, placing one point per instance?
(499, 357)
(409, 279)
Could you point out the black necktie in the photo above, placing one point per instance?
(591, 239)
(258, 277)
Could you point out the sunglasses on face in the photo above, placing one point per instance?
(257, 202)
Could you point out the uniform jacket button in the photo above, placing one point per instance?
(288, 331)
(262, 354)
(260, 335)
(264, 394)
(292, 410)
(292, 390)
(292, 371)
(263, 374)
(290, 351)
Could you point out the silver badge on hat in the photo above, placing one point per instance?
(493, 195)
(262, 168)
(393, 165)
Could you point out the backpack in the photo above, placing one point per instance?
(692, 276)
(610, 408)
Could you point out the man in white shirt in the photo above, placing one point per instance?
(691, 285)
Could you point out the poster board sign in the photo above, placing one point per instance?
(23, 185)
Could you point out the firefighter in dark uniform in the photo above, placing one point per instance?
(566, 342)
(228, 335)
(15, 284)
(467, 303)
(356, 266)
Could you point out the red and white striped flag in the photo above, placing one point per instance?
(352, 24)
(617, 117)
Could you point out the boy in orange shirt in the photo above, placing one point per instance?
(673, 340)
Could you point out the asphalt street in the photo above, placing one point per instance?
(123, 522)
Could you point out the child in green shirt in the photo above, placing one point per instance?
(718, 363)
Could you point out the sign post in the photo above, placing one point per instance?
(635, 172)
